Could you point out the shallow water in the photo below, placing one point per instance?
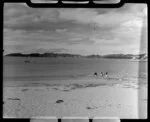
(58, 70)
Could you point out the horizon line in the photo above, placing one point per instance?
(77, 54)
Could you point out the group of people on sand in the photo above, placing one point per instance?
(102, 74)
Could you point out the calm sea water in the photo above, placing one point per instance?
(57, 69)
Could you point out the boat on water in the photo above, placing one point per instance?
(28, 60)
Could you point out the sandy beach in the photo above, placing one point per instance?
(74, 100)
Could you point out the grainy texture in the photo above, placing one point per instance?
(27, 102)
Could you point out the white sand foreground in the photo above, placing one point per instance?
(60, 101)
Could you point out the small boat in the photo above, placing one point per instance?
(27, 61)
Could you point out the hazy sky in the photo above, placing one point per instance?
(80, 31)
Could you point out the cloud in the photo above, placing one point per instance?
(19, 17)
(80, 30)
(51, 50)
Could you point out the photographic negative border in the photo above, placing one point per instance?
(58, 5)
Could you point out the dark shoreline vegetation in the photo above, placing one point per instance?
(55, 55)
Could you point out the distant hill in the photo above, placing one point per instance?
(43, 55)
(141, 57)
(110, 56)
(119, 56)
(94, 56)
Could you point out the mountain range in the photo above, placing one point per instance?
(111, 56)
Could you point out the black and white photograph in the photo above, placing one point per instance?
(75, 62)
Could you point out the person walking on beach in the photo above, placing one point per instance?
(106, 74)
(102, 74)
(95, 74)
